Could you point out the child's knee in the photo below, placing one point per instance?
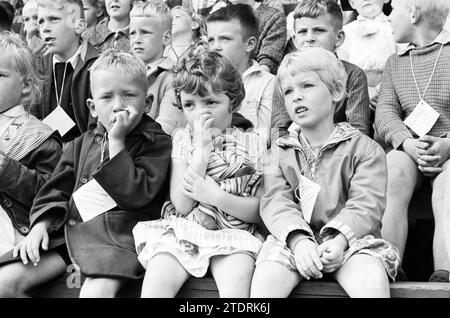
(99, 288)
(11, 286)
(370, 271)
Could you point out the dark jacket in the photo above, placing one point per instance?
(21, 180)
(136, 179)
(80, 90)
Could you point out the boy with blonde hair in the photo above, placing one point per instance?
(65, 68)
(106, 181)
(324, 191)
(150, 34)
(412, 116)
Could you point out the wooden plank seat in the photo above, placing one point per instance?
(68, 286)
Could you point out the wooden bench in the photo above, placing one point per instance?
(69, 287)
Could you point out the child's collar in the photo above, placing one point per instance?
(381, 17)
(342, 131)
(442, 38)
(80, 54)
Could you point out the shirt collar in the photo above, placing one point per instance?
(164, 63)
(14, 112)
(442, 38)
(79, 54)
(381, 18)
(254, 68)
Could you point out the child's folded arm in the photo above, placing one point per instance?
(366, 201)
(388, 113)
(357, 109)
(139, 178)
(182, 203)
(244, 208)
(280, 213)
(23, 182)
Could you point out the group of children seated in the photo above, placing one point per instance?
(161, 144)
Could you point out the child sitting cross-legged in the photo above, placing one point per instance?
(211, 219)
(106, 181)
(324, 191)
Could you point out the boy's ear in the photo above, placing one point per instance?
(80, 26)
(27, 86)
(100, 12)
(251, 44)
(340, 38)
(167, 38)
(339, 93)
(195, 25)
(91, 105)
(414, 14)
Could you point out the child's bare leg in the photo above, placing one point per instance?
(101, 287)
(273, 280)
(17, 279)
(403, 176)
(364, 276)
(164, 277)
(441, 210)
(233, 274)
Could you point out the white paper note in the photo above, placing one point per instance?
(59, 120)
(306, 193)
(422, 119)
(92, 200)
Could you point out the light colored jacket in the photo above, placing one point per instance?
(351, 171)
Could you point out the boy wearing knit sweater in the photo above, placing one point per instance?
(413, 117)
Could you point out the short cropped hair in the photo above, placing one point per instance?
(23, 61)
(324, 63)
(237, 12)
(316, 8)
(153, 9)
(435, 11)
(127, 63)
(60, 4)
(199, 68)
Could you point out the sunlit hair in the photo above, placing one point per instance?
(199, 69)
(200, 33)
(69, 5)
(23, 62)
(315, 8)
(324, 63)
(31, 4)
(153, 9)
(435, 11)
(128, 64)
